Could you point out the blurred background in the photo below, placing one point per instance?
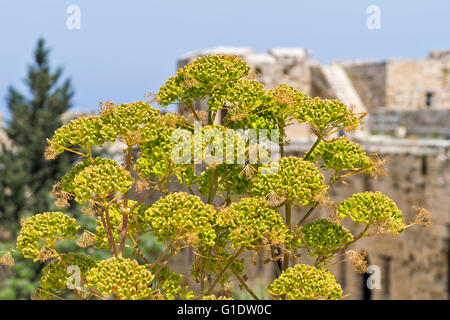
(58, 59)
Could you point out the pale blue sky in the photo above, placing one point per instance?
(126, 48)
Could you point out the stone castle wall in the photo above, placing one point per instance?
(408, 82)
(369, 80)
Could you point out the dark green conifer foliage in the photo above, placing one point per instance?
(25, 176)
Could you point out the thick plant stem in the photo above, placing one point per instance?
(306, 216)
(128, 166)
(174, 250)
(123, 235)
(89, 155)
(288, 214)
(281, 148)
(203, 283)
(308, 154)
(111, 246)
(162, 255)
(288, 224)
(107, 226)
(277, 250)
(138, 250)
(211, 195)
(246, 287)
(213, 190)
(276, 263)
(194, 113)
(232, 259)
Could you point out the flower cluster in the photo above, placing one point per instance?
(323, 237)
(372, 208)
(156, 149)
(160, 124)
(244, 99)
(285, 99)
(243, 95)
(201, 77)
(250, 220)
(292, 179)
(325, 114)
(84, 132)
(124, 278)
(305, 282)
(44, 230)
(68, 178)
(127, 121)
(342, 154)
(56, 274)
(182, 215)
(100, 181)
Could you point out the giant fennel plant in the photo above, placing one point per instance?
(230, 207)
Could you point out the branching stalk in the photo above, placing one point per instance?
(222, 272)
(246, 287)
(123, 234)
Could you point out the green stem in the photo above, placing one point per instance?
(308, 154)
(212, 193)
(204, 275)
(274, 251)
(213, 190)
(191, 107)
(281, 141)
(162, 255)
(128, 165)
(254, 296)
(174, 250)
(222, 272)
(191, 191)
(277, 250)
(281, 148)
(123, 235)
(359, 236)
(89, 155)
(306, 216)
(107, 226)
(138, 250)
(288, 224)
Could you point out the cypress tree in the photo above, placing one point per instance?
(25, 176)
